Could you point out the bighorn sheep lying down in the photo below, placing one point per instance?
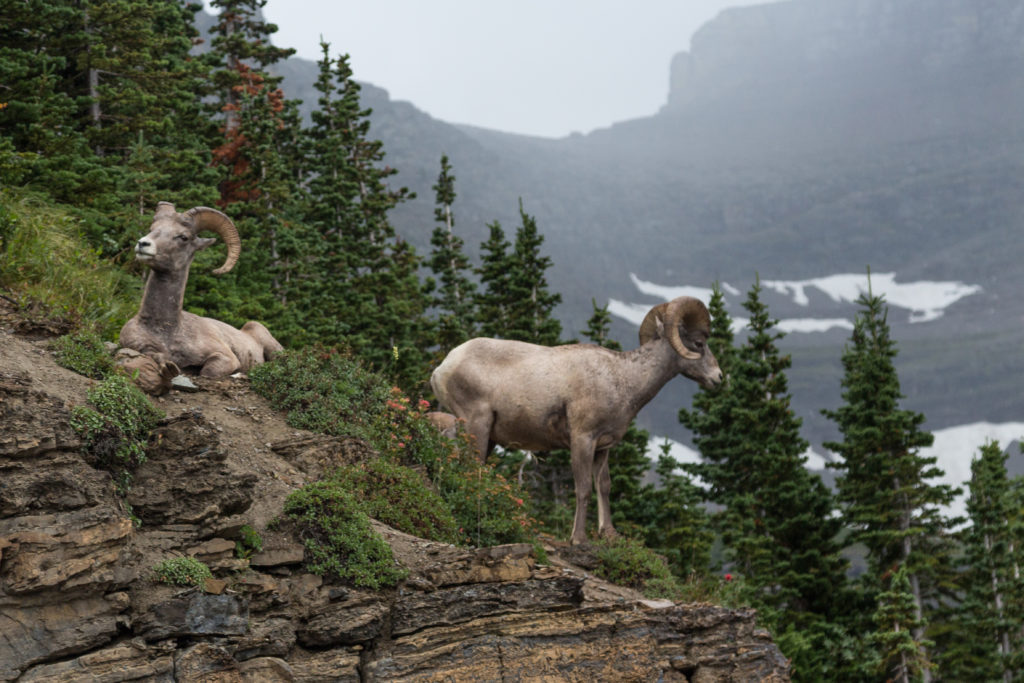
(160, 328)
(579, 396)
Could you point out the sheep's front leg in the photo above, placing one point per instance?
(582, 474)
(603, 483)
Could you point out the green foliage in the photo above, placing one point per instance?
(454, 299)
(331, 392)
(249, 543)
(777, 525)
(489, 509)
(182, 571)
(322, 389)
(399, 497)
(339, 540)
(628, 562)
(84, 353)
(48, 268)
(116, 429)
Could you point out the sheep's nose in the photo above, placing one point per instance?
(144, 243)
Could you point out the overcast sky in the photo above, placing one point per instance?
(540, 67)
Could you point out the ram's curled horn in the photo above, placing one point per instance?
(213, 220)
(686, 310)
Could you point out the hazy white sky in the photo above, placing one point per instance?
(541, 67)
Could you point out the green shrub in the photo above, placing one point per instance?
(249, 542)
(182, 571)
(328, 391)
(399, 497)
(339, 540)
(628, 562)
(116, 431)
(321, 389)
(84, 353)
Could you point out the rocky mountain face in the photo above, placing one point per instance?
(799, 140)
(79, 599)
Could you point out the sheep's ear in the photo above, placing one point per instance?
(204, 242)
(659, 325)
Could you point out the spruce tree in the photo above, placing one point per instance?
(888, 502)
(897, 618)
(531, 304)
(493, 300)
(777, 524)
(453, 302)
(986, 641)
(371, 293)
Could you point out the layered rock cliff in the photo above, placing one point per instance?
(79, 599)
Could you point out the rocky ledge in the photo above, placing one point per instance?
(78, 599)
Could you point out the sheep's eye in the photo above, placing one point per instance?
(183, 237)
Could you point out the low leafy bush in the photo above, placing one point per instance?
(628, 562)
(328, 391)
(116, 429)
(83, 352)
(182, 571)
(339, 540)
(321, 389)
(399, 497)
(249, 542)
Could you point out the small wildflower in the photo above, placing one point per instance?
(401, 444)
(728, 577)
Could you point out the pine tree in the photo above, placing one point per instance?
(777, 524)
(887, 501)
(531, 304)
(987, 639)
(370, 292)
(679, 527)
(897, 618)
(453, 302)
(493, 299)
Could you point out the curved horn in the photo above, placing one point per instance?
(693, 315)
(213, 220)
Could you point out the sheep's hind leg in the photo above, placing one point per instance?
(603, 484)
(479, 427)
(219, 366)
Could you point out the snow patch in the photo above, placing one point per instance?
(926, 300)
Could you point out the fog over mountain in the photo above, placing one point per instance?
(801, 142)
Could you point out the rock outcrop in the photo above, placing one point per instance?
(78, 599)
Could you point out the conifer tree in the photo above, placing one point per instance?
(897, 620)
(679, 527)
(987, 639)
(530, 303)
(777, 524)
(371, 292)
(493, 299)
(884, 483)
(453, 302)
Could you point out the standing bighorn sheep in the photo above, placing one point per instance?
(161, 328)
(577, 396)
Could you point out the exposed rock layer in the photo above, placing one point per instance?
(78, 600)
